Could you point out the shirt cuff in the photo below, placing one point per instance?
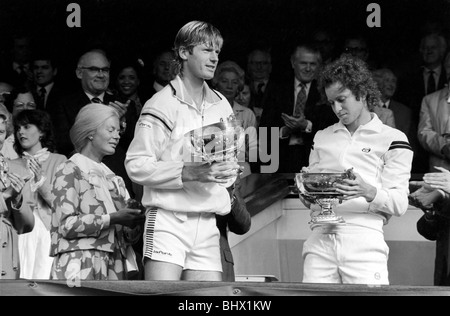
(308, 128)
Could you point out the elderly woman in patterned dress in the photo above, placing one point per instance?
(92, 227)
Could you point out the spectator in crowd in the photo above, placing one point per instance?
(387, 83)
(34, 144)
(16, 68)
(358, 46)
(297, 108)
(127, 82)
(244, 96)
(5, 92)
(182, 196)
(46, 91)
(21, 99)
(434, 126)
(92, 227)
(259, 68)
(228, 80)
(419, 82)
(15, 217)
(93, 71)
(325, 42)
(163, 70)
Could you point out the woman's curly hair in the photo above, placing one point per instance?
(353, 74)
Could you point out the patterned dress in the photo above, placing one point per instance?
(84, 244)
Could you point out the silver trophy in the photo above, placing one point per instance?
(220, 141)
(319, 188)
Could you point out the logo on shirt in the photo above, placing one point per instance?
(145, 125)
(366, 150)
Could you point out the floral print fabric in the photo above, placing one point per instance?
(83, 242)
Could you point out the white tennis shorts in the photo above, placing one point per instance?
(190, 240)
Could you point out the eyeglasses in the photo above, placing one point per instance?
(97, 70)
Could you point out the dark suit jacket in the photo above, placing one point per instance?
(238, 221)
(402, 116)
(65, 113)
(411, 89)
(7, 74)
(318, 112)
(56, 93)
(261, 101)
(410, 92)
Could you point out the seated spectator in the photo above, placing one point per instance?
(35, 146)
(92, 227)
(15, 217)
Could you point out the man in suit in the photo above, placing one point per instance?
(93, 70)
(387, 83)
(434, 126)
(163, 70)
(421, 82)
(46, 91)
(299, 110)
(16, 68)
(259, 68)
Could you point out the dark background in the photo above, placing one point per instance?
(141, 28)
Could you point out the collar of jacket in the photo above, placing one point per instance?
(179, 91)
(374, 125)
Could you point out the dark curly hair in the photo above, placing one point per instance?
(42, 121)
(353, 74)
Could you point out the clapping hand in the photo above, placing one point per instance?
(15, 188)
(424, 197)
(294, 123)
(438, 180)
(36, 168)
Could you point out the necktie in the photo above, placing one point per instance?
(431, 85)
(384, 105)
(41, 100)
(299, 107)
(259, 95)
(96, 100)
